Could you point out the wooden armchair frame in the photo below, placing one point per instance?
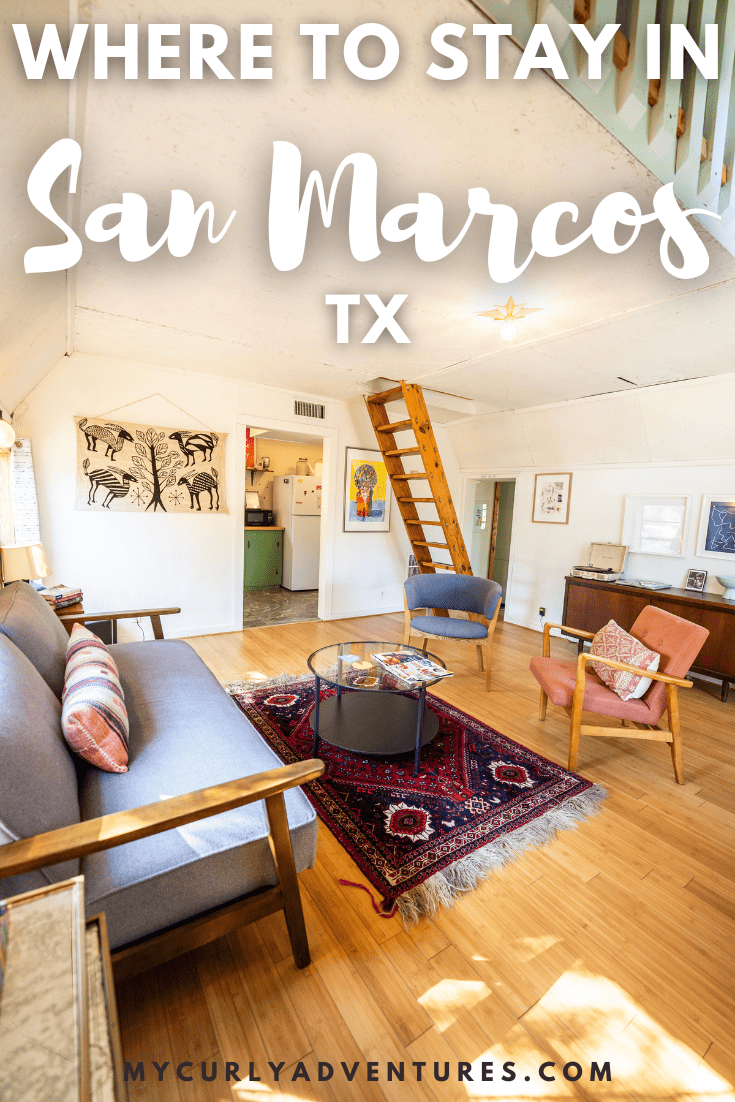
(481, 645)
(108, 831)
(631, 728)
(154, 614)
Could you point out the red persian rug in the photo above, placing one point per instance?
(479, 800)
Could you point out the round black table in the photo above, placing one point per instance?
(377, 719)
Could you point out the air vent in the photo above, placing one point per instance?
(309, 409)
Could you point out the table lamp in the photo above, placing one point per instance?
(23, 562)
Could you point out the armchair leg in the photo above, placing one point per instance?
(423, 645)
(479, 657)
(575, 722)
(287, 878)
(488, 665)
(672, 711)
(542, 705)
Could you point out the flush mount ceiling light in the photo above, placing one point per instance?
(509, 314)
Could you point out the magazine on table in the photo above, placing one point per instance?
(411, 668)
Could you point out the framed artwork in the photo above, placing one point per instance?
(367, 492)
(696, 580)
(132, 468)
(656, 524)
(716, 538)
(551, 494)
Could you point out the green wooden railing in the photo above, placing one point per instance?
(683, 131)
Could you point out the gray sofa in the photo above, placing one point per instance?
(186, 734)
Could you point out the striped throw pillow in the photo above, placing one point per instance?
(93, 715)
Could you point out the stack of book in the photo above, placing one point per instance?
(59, 596)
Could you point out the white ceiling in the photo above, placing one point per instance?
(225, 309)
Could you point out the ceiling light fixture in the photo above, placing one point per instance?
(509, 314)
(7, 434)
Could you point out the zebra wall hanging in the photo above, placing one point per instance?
(122, 467)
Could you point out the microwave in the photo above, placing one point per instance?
(259, 518)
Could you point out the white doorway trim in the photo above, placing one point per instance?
(467, 499)
(328, 436)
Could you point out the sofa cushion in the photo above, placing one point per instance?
(185, 734)
(38, 781)
(35, 629)
(93, 716)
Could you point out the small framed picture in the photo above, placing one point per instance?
(551, 494)
(696, 580)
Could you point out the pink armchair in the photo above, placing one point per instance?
(576, 689)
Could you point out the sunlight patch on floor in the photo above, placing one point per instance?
(449, 995)
(586, 1017)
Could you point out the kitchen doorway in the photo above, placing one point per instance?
(492, 530)
(282, 529)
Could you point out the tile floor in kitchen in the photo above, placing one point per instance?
(276, 605)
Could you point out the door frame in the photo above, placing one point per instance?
(466, 512)
(328, 436)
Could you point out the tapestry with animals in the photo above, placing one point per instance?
(149, 469)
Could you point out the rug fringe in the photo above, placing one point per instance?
(445, 887)
(281, 679)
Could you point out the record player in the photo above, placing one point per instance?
(605, 563)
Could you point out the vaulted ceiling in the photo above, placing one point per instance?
(607, 323)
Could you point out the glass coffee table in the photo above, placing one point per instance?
(378, 719)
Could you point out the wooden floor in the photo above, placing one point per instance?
(613, 943)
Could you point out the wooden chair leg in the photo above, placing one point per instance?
(575, 722)
(542, 705)
(423, 645)
(488, 663)
(672, 711)
(480, 666)
(288, 880)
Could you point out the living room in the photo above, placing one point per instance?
(602, 938)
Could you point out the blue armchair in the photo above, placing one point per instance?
(479, 597)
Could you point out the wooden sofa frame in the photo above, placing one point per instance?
(108, 831)
(630, 728)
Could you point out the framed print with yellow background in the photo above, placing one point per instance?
(367, 492)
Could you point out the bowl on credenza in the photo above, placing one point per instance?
(728, 580)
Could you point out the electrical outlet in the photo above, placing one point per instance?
(542, 612)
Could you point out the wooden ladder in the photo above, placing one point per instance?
(402, 481)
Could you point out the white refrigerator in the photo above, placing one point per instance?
(297, 504)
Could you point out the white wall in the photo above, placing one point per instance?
(544, 553)
(33, 308)
(675, 439)
(123, 560)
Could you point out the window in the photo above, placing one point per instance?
(656, 525)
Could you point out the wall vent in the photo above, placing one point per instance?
(309, 409)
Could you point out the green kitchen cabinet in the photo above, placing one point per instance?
(263, 557)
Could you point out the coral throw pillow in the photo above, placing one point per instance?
(612, 642)
(93, 715)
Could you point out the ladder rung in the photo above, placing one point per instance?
(405, 477)
(397, 426)
(437, 522)
(427, 499)
(393, 395)
(404, 451)
(438, 565)
(423, 543)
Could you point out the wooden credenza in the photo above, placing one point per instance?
(589, 605)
